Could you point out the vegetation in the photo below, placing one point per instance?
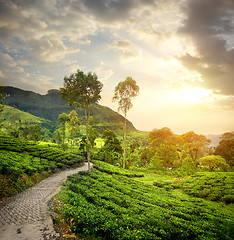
(226, 149)
(24, 125)
(124, 92)
(183, 173)
(50, 105)
(82, 90)
(1, 97)
(25, 162)
(110, 206)
(213, 162)
(213, 186)
(111, 150)
(107, 168)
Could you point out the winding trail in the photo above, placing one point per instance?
(26, 216)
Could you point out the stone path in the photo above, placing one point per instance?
(26, 216)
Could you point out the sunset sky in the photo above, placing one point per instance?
(180, 52)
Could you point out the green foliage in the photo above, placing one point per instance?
(226, 150)
(26, 158)
(49, 107)
(82, 90)
(111, 149)
(108, 168)
(213, 162)
(105, 206)
(1, 97)
(124, 92)
(24, 125)
(216, 186)
(195, 144)
(63, 118)
(37, 150)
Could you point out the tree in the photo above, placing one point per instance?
(74, 127)
(63, 118)
(111, 148)
(124, 92)
(1, 97)
(226, 150)
(213, 162)
(31, 132)
(196, 145)
(82, 90)
(227, 136)
(159, 136)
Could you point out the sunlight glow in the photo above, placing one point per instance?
(194, 95)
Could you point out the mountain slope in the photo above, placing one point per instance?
(13, 119)
(49, 107)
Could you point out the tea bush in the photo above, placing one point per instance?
(24, 163)
(215, 186)
(111, 206)
(108, 168)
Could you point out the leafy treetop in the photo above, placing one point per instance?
(81, 89)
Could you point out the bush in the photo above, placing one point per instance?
(109, 206)
(108, 168)
(213, 186)
(21, 160)
(213, 162)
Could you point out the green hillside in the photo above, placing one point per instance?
(50, 105)
(11, 115)
(13, 119)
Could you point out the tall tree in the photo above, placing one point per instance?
(82, 90)
(74, 127)
(124, 92)
(226, 148)
(63, 118)
(1, 97)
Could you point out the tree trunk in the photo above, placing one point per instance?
(125, 127)
(87, 139)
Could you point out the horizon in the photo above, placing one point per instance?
(181, 54)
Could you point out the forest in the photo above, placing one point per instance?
(143, 185)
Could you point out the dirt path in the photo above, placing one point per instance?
(26, 217)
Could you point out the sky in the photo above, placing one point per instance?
(180, 52)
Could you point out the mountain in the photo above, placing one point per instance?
(13, 119)
(12, 115)
(50, 105)
(215, 138)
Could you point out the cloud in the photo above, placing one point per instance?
(128, 50)
(14, 75)
(49, 30)
(114, 11)
(210, 26)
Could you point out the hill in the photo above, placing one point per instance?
(50, 105)
(11, 118)
(215, 138)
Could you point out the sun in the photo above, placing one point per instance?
(194, 94)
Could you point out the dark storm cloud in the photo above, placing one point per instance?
(111, 11)
(210, 24)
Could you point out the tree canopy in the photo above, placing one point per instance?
(82, 90)
(124, 92)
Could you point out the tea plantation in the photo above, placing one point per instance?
(24, 163)
(104, 205)
(215, 186)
